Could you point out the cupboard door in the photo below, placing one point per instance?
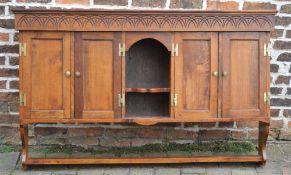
(44, 81)
(99, 82)
(195, 86)
(245, 82)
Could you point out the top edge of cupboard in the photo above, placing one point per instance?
(143, 20)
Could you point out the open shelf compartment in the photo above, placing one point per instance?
(147, 69)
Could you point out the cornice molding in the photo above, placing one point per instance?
(144, 21)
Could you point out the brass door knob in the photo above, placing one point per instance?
(215, 73)
(67, 73)
(77, 74)
(224, 74)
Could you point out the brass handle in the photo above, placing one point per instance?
(224, 74)
(67, 73)
(215, 73)
(77, 74)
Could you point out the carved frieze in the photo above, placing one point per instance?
(143, 21)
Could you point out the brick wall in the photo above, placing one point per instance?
(126, 135)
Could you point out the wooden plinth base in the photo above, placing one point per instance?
(152, 160)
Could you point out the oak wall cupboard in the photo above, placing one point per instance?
(144, 67)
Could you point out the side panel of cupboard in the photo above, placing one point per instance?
(44, 83)
(97, 75)
(195, 86)
(244, 68)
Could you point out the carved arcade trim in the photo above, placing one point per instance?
(143, 21)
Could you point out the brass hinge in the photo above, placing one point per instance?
(22, 99)
(121, 100)
(175, 49)
(267, 98)
(22, 49)
(267, 51)
(174, 99)
(121, 49)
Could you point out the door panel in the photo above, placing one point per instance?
(47, 97)
(97, 88)
(195, 86)
(245, 82)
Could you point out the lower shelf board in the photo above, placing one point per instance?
(56, 161)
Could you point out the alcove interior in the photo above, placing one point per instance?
(147, 68)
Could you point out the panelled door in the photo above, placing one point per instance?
(244, 73)
(97, 75)
(43, 80)
(196, 74)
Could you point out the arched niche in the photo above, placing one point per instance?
(147, 65)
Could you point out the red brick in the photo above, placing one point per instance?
(253, 134)
(284, 57)
(150, 133)
(219, 5)
(288, 34)
(173, 134)
(50, 131)
(9, 135)
(9, 49)
(37, 1)
(258, 6)
(141, 142)
(111, 2)
(14, 106)
(276, 124)
(16, 37)
(4, 37)
(2, 60)
(14, 84)
(201, 124)
(7, 23)
(281, 79)
(225, 124)
(8, 72)
(115, 142)
(147, 3)
(83, 140)
(285, 134)
(280, 102)
(86, 131)
(284, 21)
(3, 106)
(277, 33)
(186, 4)
(285, 8)
(9, 119)
(289, 124)
(206, 124)
(120, 132)
(213, 135)
(11, 96)
(84, 2)
(275, 112)
(274, 68)
(2, 10)
(282, 45)
(3, 84)
(276, 90)
(238, 135)
(13, 61)
(287, 113)
(247, 124)
(273, 134)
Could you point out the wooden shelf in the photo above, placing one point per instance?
(147, 90)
